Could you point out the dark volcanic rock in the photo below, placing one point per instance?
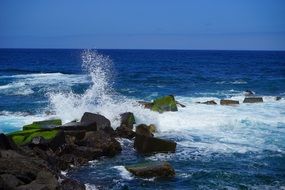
(91, 119)
(71, 184)
(127, 120)
(102, 141)
(278, 98)
(152, 169)
(229, 102)
(210, 102)
(6, 143)
(144, 130)
(125, 132)
(253, 100)
(146, 145)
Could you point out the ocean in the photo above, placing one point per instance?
(218, 147)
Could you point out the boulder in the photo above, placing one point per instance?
(46, 124)
(125, 132)
(147, 105)
(71, 184)
(144, 130)
(90, 119)
(248, 93)
(163, 104)
(278, 98)
(127, 120)
(253, 100)
(74, 126)
(101, 141)
(210, 102)
(144, 145)
(6, 143)
(151, 169)
(229, 102)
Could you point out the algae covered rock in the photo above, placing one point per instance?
(151, 169)
(26, 136)
(165, 103)
(43, 124)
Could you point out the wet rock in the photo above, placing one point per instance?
(210, 102)
(71, 184)
(151, 169)
(278, 98)
(182, 105)
(46, 143)
(147, 105)
(127, 120)
(152, 128)
(249, 93)
(144, 130)
(165, 103)
(90, 119)
(6, 143)
(125, 132)
(144, 145)
(253, 100)
(46, 124)
(102, 141)
(229, 102)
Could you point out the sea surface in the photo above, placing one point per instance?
(218, 147)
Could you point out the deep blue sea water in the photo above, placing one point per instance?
(219, 147)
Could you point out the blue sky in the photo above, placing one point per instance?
(145, 24)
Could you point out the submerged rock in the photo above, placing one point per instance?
(248, 93)
(151, 169)
(165, 103)
(210, 102)
(277, 98)
(46, 124)
(145, 144)
(253, 100)
(229, 102)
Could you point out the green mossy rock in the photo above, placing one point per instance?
(26, 136)
(166, 103)
(43, 124)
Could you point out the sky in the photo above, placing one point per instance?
(145, 24)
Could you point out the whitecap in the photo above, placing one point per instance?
(125, 174)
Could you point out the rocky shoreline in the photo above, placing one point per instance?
(34, 157)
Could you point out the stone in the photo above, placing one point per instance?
(6, 143)
(46, 124)
(90, 119)
(125, 132)
(165, 103)
(127, 120)
(210, 102)
(71, 184)
(147, 105)
(151, 169)
(8, 181)
(229, 102)
(278, 98)
(182, 105)
(145, 145)
(144, 130)
(253, 100)
(74, 126)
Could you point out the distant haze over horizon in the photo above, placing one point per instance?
(128, 24)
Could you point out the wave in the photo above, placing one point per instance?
(232, 82)
(26, 71)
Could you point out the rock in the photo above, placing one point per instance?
(8, 181)
(144, 130)
(144, 145)
(166, 103)
(45, 143)
(152, 128)
(6, 143)
(46, 124)
(147, 105)
(210, 102)
(71, 184)
(253, 100)
(90, 119)
(151, 169)
(182, 105)
(125, 132)
(229, 102)
(53, 136)
(249, 93)
(102, 141)
(127, 120)
(74, 126)
(278, 98)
